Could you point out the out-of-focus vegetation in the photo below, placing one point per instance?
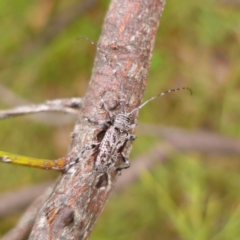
(188, 197)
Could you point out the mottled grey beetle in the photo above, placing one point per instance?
(118, 132)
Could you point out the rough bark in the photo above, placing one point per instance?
(197, 141)
(80, 194)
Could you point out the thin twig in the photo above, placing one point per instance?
(9, 98)
(65, 105)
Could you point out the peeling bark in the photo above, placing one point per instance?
(81, 194)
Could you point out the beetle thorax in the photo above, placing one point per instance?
(122, 122)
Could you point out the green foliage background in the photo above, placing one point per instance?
(191, 196)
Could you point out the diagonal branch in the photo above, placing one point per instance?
(178, 139)
(81, 193)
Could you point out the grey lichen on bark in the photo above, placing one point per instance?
(80, 195)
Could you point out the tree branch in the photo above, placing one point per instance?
(80, 195)
(178, 139)
(65, 105)
(9, 98)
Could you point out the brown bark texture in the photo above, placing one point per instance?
(197, 141)
(80, 195)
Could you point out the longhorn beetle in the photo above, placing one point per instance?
(109, 151)
(117, 134)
